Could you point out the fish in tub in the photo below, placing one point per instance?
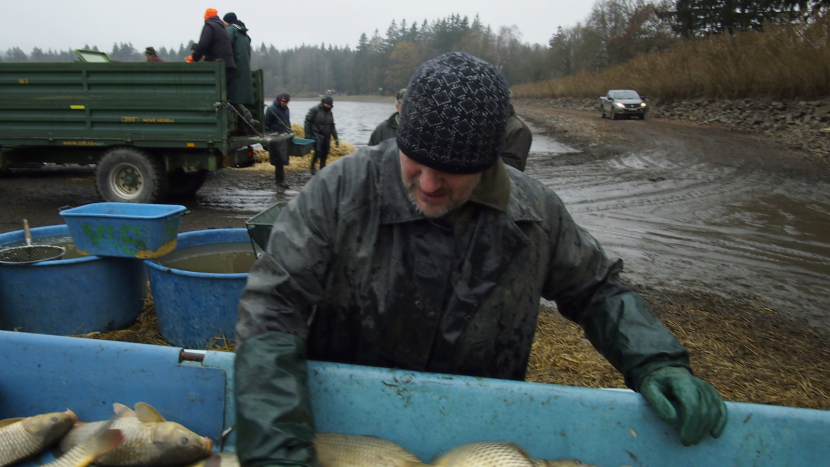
(426, 414)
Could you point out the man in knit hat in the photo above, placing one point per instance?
(215, 45)
(427, 253)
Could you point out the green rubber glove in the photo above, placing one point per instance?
(676, 395)
(337, 143)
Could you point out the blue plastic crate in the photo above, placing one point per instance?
(131, 230)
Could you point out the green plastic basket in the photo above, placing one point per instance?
(300, 146)
(259, 226)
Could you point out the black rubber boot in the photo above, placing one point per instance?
(279, 176)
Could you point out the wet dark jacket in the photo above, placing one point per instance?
(319, 124)
(215, 43)
(382, 285)
(277, 119)
(387, 129)
(242, 87)
(516, 143)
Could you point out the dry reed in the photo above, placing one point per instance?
(302, 163)
(785, 61)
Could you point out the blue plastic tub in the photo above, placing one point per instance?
(193, 308)
(423, 412)
(131, 230)
(71, 295)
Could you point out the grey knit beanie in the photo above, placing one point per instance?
(454, 114)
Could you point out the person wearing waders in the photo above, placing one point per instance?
(278, 120)
(241, 87)
(426, 253)
(319, 126)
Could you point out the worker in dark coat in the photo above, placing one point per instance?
(426, 253)
(517, 141)
(278, 120)
(215, 45)
(242, 91)
(277, 116)
(319, 126)
(241, 87)
(389, 127)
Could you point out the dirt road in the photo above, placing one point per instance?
(697, 208)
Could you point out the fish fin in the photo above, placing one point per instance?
(104, 442)
(122, 410)
(9, 421)
(147, 414)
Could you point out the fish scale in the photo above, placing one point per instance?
(498, 454)
(340, 450)
(148, 439)
(25, 437)
(84, 454)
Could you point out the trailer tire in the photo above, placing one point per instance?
(129, 175)
(185, 185)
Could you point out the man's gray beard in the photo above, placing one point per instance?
(441, 213)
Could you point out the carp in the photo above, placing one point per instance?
(103, 442)
(339, 450)
(497, 454)
(24, 437)
(149, 439)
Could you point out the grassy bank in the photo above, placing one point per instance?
(784, 62)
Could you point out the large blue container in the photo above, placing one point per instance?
(425, 413)
(69, 296)
(195, 307)
(131, 230)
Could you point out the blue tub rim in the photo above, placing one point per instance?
(181, 272)
(166, 211)
(58, 230)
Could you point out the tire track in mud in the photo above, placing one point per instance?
(679, 220)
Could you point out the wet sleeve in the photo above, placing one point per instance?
(586, 287)
(334, 129)
(374, 140)
(307, 126)
(204, 43)
(270, 120)
(273, 416)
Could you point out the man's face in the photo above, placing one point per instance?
(435, 193)
(398, 106)
(328, 106)
(283, 104)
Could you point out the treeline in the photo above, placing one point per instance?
(683, 50)
(615, 32)
(378, 64)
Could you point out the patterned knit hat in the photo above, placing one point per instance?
(454, 114)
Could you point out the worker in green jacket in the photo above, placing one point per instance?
(241, 89)
(516, 143)
(389, 127)
(426, 253)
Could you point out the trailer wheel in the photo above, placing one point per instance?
(128, 175)
(184, 185)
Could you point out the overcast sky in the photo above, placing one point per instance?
(69, 24)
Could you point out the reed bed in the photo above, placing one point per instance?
(303, 163)
(788, 61)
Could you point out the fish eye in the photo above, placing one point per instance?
(183, 441)
(54, 419)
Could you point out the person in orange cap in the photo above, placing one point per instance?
(215, 44)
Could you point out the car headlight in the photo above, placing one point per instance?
(620, 105)
(642, 104)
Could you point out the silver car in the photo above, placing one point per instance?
(622, 102)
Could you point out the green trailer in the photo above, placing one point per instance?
(152, 129)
